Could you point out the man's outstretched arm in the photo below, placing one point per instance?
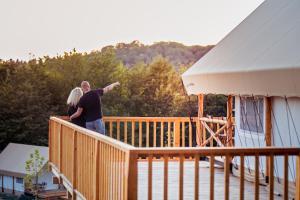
(77, 113)
(110, 87)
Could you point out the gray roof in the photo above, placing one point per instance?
(261, 56)
(14, 156)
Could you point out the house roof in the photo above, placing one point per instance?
(261, 56)
(14, 157)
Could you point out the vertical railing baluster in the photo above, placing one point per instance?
(166, 166)
(286, 177)
(140, 134)
(110, 129)
(226, 178)
(256, 192)
(162, 134)
(150, 177)
(242, 177)
(169, 134)
(132, 132)
(212, 176)
(118, 130)
(190, 134)
(271, 177)
(147, 133)
(125, 132)
(297, 177)
(181, 172)
(154, 133)
(196, 189)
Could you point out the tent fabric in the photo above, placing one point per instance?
(261, 56)
(14, 157)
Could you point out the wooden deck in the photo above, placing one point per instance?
(204, 183)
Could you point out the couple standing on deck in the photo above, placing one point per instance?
(85, 106)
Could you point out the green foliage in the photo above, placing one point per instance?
(32, 91)
(33, 168)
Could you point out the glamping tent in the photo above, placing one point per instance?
(258, 63)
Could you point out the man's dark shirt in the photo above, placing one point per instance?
(90, 102)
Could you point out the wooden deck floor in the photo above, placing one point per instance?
(189, 182)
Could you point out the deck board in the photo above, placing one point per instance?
(173, 187)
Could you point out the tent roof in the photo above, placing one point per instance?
(14, 157)
(261, 56)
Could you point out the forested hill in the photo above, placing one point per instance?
(176, 53)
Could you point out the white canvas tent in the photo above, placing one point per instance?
(261, 56)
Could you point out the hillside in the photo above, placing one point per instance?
(177, 53)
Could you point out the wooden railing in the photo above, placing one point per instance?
(181, 153)
(167, 131)
(90, 165)
(93, 166)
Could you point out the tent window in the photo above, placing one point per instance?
(252, 114)
(19, 180)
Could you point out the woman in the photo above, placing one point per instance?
(72, 102)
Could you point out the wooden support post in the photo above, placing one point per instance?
(268, 132)
(297, 197)
(177, 133)
(132, 176)
(229, 122)
(199, 134)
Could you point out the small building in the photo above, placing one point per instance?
(12, 168)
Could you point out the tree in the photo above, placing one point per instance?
(34, 167)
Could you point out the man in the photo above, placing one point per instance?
(90, 106)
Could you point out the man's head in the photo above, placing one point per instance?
(85, 86)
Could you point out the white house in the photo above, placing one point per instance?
(258, 63)
(12, 167)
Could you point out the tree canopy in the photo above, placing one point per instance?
(32, 91)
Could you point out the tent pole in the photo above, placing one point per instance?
(268, 132)
(13, 185)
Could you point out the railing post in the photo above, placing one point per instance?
(268, 132)
(297, 197)
(200, 128)
(131, 176)
(229, 121)
(177, 133)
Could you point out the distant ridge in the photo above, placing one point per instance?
(178, 54)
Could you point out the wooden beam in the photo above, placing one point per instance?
(268, 132)
(200, 115)
(229, 122)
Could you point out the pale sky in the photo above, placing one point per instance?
(50, 27)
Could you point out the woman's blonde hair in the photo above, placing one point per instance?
(74, 96)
